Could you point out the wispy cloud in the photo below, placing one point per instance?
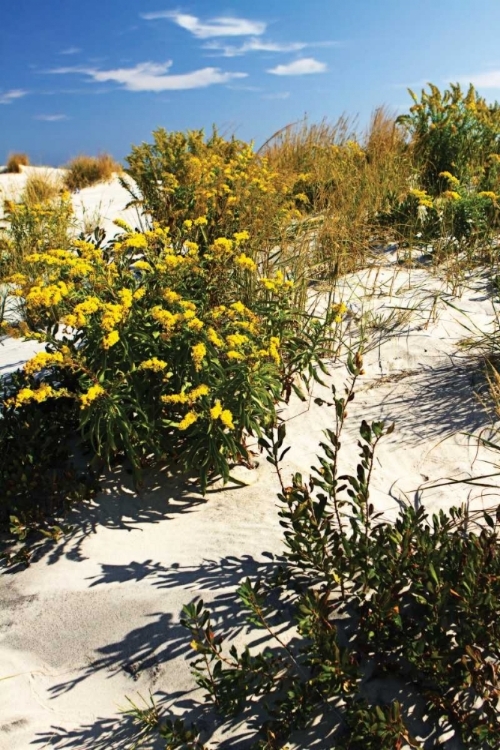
(304, 66)
(278, 95)
(70, 51)
(487, 80)
(215, 27)
(51, 118)
(150, 76)
(253, 45)
(10, 96)
(260, 45)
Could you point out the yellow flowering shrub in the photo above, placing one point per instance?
(215, 184)
(167, 341)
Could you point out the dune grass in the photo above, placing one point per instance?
(15, 161)
(84, 171)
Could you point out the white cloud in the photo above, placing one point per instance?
(9, 96)
(259, 45)
(254, 45)
(51, 118)
(150, 76)
(222, 26)
(70, 51)
(304, 66)
(278, 95)
(488, 80)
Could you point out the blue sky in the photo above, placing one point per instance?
(100, 75)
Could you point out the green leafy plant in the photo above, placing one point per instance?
(411, 603)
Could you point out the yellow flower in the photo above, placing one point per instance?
(187, 224)
(241, 236)
(111, 339)
(222, 246)
(214, 338)
(227, 419)
(236, 339)
(195, 324)
(139, 293)
(41, 360)
(274, 343)
(198, 352)
(216, 409)
(164, 317)
(235, 355)
(112, 315)
(122, 224)
(175, 398)
(198, 392)
(451, 179)
(142, 265)
(488, 194)
(154, 364)
(126, 298)
(91, 395)
(188, 420)
(191, 247)
(137, 241)
(243, 261)
(201, 221)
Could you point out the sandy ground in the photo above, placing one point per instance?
(96, 619)
(94, 206)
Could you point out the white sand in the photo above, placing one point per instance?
(97, 618)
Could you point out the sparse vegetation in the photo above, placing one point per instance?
(84, 171)
(42, 187)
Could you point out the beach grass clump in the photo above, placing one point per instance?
(41, 187)
(34, 226)
(343, 180)
(392, 628)
(84, 171)
(16, 161)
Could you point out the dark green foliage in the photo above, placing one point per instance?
(38, 481)
(412, 603)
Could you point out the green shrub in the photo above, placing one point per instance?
(37, 477)
(182, 176)
(177, 347)
(16, 161)
(84, 171)
(457, 133)
(411, 606)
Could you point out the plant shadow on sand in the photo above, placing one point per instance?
(117, 506)
(437, 402)
(144, 651)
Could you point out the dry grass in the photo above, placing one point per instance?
(342, 180)
(84, 171)
(16, 161)
(42, 187)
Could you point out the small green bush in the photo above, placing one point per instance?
(410, 605)
(457, 133)
(37, 477)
